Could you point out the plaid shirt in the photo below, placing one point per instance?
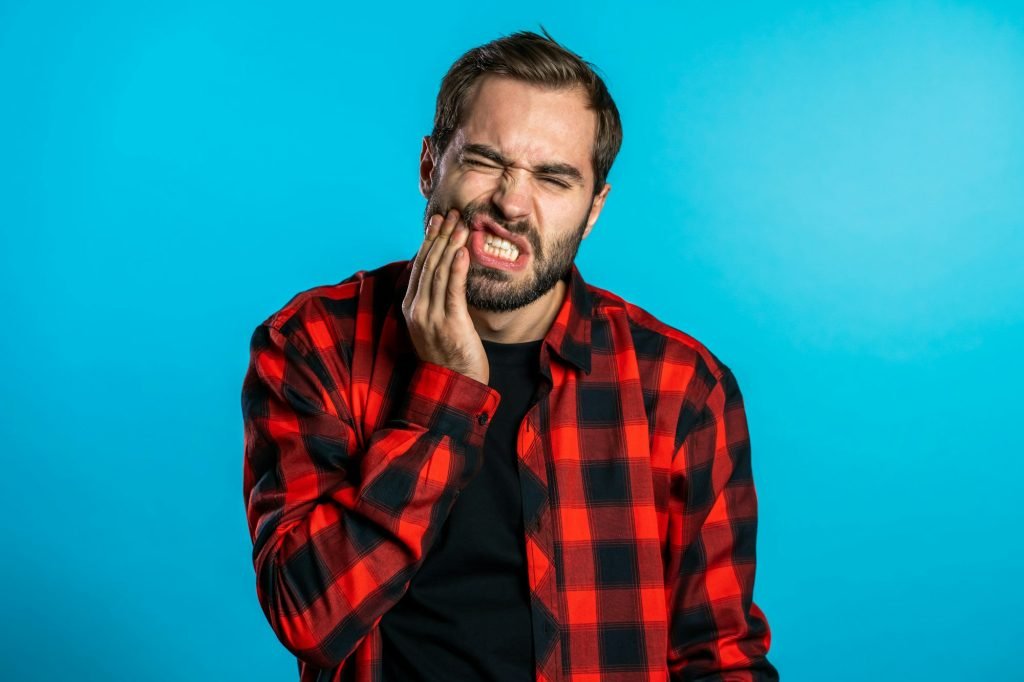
(638, 499)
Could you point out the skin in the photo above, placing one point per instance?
(453, 300)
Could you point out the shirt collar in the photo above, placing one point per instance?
(569, 335)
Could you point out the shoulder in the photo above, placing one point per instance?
(325, 310)
(654, 339)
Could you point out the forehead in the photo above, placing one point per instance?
(529, 124)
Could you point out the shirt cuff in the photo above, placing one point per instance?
(445, 401)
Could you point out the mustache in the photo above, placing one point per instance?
(522, 228)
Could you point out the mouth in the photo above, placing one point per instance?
(499, 256)
(483, 224)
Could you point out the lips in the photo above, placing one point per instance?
(480, 223)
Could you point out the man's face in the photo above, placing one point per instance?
(520, 163)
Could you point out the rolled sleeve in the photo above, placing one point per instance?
(448, 402)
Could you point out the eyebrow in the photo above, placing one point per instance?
(551, 168)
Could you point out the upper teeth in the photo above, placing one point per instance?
(503, 244)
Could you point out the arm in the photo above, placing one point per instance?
(338, 530)
(716, 632)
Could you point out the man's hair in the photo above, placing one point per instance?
(537, 60)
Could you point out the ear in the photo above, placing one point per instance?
(427, 163)
(595, 208)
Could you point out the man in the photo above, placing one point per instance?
(472, 465)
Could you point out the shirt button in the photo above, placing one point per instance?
(481, 418)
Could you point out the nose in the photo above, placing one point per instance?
(512, 195)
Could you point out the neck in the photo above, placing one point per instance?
(529, 323)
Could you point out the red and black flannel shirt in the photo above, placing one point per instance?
(638, 497)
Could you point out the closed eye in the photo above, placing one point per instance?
(553, 181)
(548, 179)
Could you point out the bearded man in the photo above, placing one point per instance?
(473, 465)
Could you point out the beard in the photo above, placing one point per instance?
(498, 291)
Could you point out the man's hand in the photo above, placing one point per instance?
(435, 303)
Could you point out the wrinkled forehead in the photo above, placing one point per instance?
(529, 124)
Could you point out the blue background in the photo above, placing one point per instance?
(828, 197)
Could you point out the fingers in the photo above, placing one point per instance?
(439, 290)
(423, 301)
(455, 303)
(417, 265)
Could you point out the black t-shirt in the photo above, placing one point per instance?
(466, 614)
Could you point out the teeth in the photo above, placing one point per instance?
(501, 248)
(504, 254)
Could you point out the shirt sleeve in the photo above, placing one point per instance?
(339, 527)
(716, 632)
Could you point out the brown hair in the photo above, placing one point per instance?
(538, 60)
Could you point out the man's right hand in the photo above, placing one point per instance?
(435, 303)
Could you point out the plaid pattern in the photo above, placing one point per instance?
(638, 496)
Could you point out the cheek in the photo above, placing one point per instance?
(564, 215)
(462, 187)
(474, 182)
